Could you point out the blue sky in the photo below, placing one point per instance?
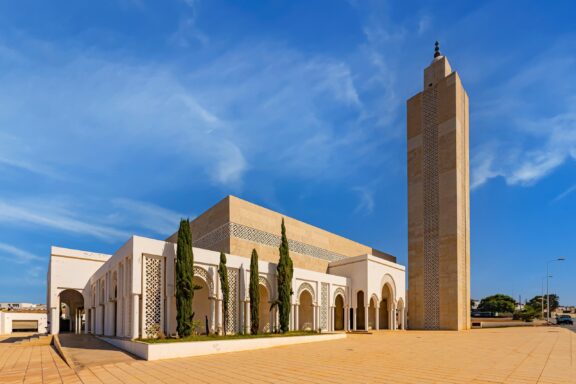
(118, 117)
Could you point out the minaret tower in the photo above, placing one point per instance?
(438, 201)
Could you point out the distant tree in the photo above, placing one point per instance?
(225, 287)
(254, 294)
(498, 303)
(539, 303)
(284, 273)
(184, 280)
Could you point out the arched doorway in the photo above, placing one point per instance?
(200, 305)
(360, 311)
(385, 307)
(71, 316)
(372, 313)
(305, 312)
(339, 313)
(264, 310)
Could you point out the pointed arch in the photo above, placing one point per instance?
(207, 277)
(306, 287)
(339, 292)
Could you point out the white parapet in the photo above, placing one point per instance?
(161, 351)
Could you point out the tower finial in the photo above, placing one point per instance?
(437, 49)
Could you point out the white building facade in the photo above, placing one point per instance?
(131, 294)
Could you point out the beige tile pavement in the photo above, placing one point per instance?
(487, 356)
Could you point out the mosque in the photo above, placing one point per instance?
(338, 284)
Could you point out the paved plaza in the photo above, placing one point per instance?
(510, 355)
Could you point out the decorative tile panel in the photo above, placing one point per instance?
(244, 232)
(153, 281)
(324, 306)
(232, 325)
(431, 209)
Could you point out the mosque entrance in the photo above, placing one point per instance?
(71, 316)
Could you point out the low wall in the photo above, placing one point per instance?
(200, 348)
(501, 324)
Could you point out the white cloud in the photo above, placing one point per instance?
(146, 215)
(535, 119)
(13, 254)
(113, 220)
(525, 164)
(44, 214)
(564, 194)
(366, 200)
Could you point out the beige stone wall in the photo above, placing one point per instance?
(234, 210)
(255, 216)
(451, 202)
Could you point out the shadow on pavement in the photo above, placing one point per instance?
(87, 350)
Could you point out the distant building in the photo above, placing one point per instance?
(22, 306)
(23, 321)
(474, 304)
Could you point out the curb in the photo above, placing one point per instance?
(58, 347)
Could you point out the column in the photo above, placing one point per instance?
(314, 317)
(297, 318)
(377, 318)
(87, 321)
(346, 319)
(393, 312)
(277, 318)
(241, 317)
(212, 322)
(366, 317)
(272, 319)
(248, 321)
(219, 326)
(332, 318)
(93, 320)
(135, 333)
(167, 321)
(354, 319)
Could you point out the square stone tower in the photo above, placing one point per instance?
(438, 202)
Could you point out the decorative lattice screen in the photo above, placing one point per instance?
(232, 321)
(324, 306)
(431, 209)
(153, 293)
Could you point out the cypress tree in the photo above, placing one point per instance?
(284, 273)
(223, 273)
(184, 280)
(254, 294)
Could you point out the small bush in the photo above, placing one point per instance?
(526, 315)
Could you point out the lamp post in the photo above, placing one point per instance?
(542, 296)
(547, 286)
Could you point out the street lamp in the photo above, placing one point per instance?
(547, 291)
(542, 296)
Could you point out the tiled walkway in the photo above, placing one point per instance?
(512, 355)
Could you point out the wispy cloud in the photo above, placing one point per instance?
(366, 200)
(157, 219)
(564, 194)
(188, 30)
(109, 221)
(13, 254)
(43, 214)
(535, 135)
